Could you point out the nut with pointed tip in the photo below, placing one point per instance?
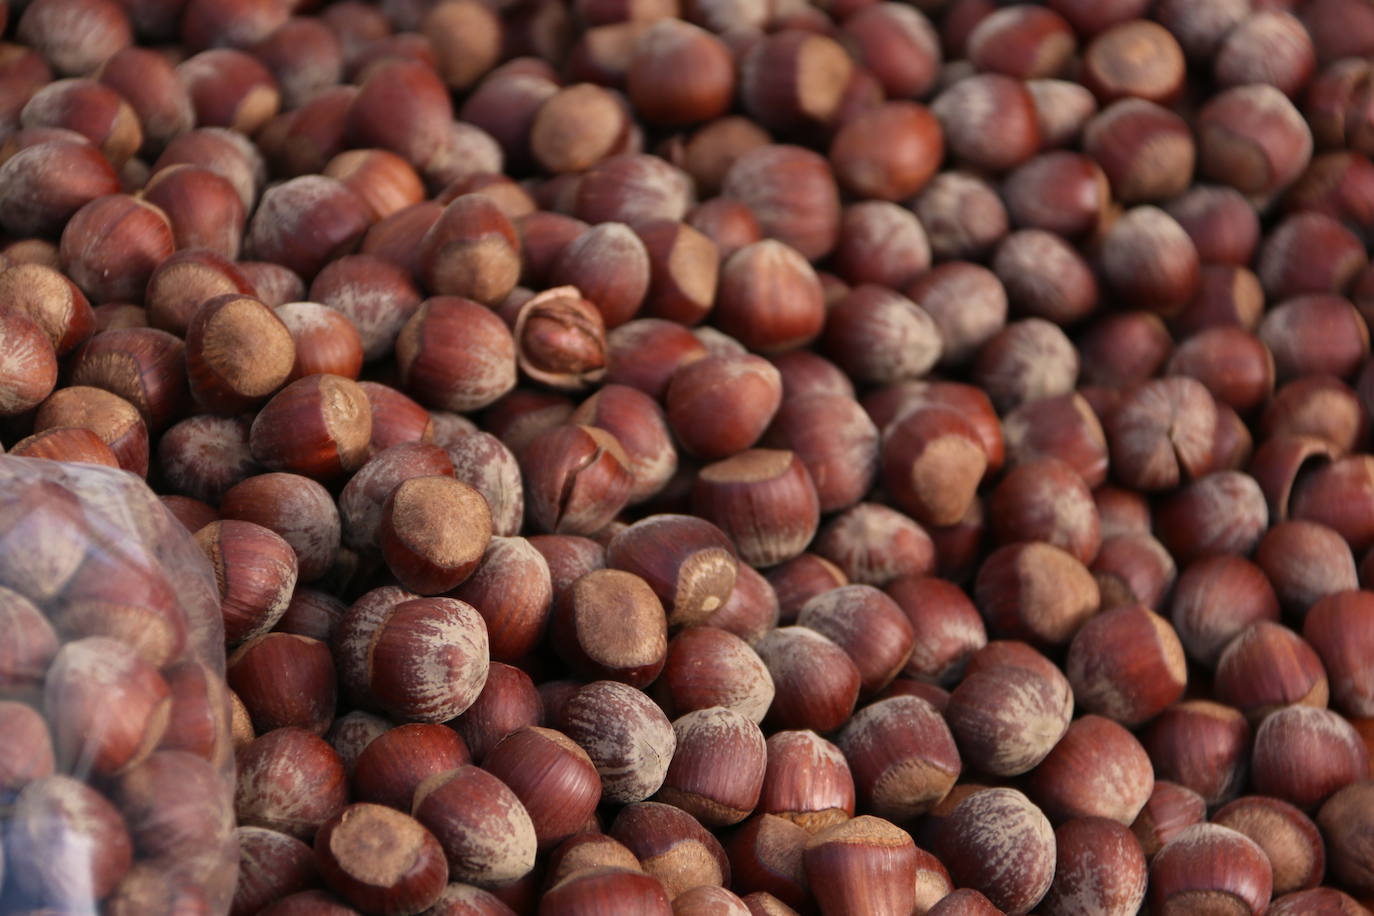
(456, 355)
(426, 658)
(1268, 666)
(284, 679)
(508, 701)
(1210, 865)
(815, 681)
(709, 667)
(1344, 820)
(672, 846)
(932, 463)
(689, 563)
(117, 422)
(807, 781)
(319, 426)
(627, 737)
(1201, 745)
(1171, 808)
(1126, 664)
(717, 769)
(1046, 500)
(1035, 591)
(1303, 754)
(1306, 563)
(1007, 718)
(769, 298)
(272, 866)
(90, 734)
(552, 776)
(256, 571)
(290, 781)
(946, 625)
(1098, 769)
(483, 828)
(1099, 868)
(1288, 837)
(868, 624)
(1000, 844)
(1205, 624)
(1341, 628)
(26, 654)
(609, 889)
(902, 755)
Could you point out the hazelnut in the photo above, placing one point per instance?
(962, 214)
(792, 193)
(863, 865)
(1253, 139)
(632, 652)
(689, 563)
(807, 781)
(380, 859)
(708, 667)
(672, 846)
(902, 756)
(272, 866)
(552, 776)
(67, 844)
(1268, 666)
(433, 533)
(1287, 836)
(793, 79)
(873, 544)
(963, 110)
(512, 590)
(1202, 746)
(1210, 865)
(289, 780)
(1098, 769)
(1338, 627)
(1099, 868)
(589, 890)
(508, 701)
(717, 769)
(1171, 808)
(1342, 820)
(1000, 844)
(396, 762)
(816, 683)
(484, 830)
(1303, 754)
(1006, 719)
(764, 500)
(577, 478)
(744, 390)
(284, 679)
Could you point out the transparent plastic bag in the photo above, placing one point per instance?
(116, 762)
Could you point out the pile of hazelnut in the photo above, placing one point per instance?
(718, 457)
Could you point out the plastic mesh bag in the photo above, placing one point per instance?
(116, 763)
